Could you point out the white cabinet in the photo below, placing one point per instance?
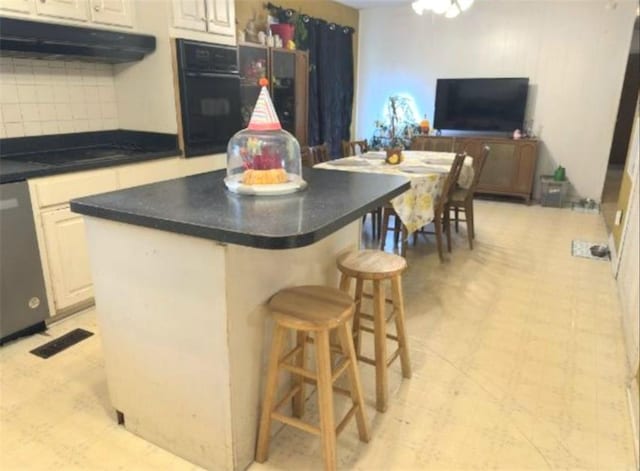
(101, 12)
(18, 6)
(221, 17)
(212, 16)
(70, 9)
(68, 257)
(112, 12)
(190, 14)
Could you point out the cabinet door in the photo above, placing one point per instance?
(71, 9)
(112, 12)
(20, 6)
(526, 154)
(283, 87)
(221, 17)
(302, 97)
(68, 257)
(500, 169)
(189, 14)
(253, 66)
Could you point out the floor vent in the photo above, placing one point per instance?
(591, 250)
(61, 343)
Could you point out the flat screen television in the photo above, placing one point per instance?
(482, 104)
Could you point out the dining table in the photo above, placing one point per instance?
(426, 170)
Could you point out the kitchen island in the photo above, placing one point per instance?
(182, 271)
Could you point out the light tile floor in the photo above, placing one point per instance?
(517, 354)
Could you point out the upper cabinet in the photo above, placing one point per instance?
(207, 16)
(69, 9)
(112, 12)
(117, 13)
(190, 14)
(221, 17)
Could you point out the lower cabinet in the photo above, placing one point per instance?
(61, 234)
(68, 257)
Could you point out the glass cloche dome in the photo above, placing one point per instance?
(264, 159)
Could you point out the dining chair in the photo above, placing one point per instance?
(320, 153)
(398, 228)
(441, 218)
(433, 143)
(306, 157)
(462, 198)
(350, 148)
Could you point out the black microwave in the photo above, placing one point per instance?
(209, 96)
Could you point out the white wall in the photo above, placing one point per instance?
(145, 89)
(574, 53)
(40, 97)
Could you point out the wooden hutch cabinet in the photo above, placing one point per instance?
(510, 168)
(288, 74)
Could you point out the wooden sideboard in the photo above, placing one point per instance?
(509, 170)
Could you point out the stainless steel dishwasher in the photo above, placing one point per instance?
(23, 298)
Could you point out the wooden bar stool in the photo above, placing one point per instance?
(377, 266)
(317, 310)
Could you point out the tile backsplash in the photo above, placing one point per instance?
(39, 97)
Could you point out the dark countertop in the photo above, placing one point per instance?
(201, 206)
(40, 156)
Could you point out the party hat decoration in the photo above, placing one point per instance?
(264, 117)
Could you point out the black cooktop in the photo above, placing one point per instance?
(63, 156)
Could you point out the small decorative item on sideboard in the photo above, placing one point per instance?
(517, 134)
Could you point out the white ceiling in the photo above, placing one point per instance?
(360, 4)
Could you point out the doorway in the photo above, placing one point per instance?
(622, 131)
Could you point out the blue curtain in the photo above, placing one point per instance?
(330, 83)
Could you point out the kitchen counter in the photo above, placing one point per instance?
(182, 272)
(201, 206)
(40, 156)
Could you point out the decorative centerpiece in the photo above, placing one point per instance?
(394, 156)
(264, 159)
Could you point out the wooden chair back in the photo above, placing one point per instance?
(450, 182)
(433, 143)
(306, 156)
(478, 165)
(350, 148)
(320, 153)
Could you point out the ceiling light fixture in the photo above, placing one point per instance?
(448, 8)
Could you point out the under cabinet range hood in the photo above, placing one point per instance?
(23, 38)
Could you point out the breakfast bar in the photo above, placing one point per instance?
(182, 271)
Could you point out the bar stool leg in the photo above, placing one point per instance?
(325, 400)
(345, 283)
(298, 380)
(264, 434)
(380, 345)
(398, 302)
(355, 386)
(355, 330)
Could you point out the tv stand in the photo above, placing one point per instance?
(510, 168)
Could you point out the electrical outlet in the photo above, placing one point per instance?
(618, 218)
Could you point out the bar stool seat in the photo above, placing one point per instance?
(376, 266)
(316, 310)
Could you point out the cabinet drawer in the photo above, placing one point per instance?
(197, 165)
(148, 172)
(62, 188)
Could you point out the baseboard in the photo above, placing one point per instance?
(634, 415)
(614, 255)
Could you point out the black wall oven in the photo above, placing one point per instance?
(209, 96)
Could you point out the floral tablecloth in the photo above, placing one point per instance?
(427, 172)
